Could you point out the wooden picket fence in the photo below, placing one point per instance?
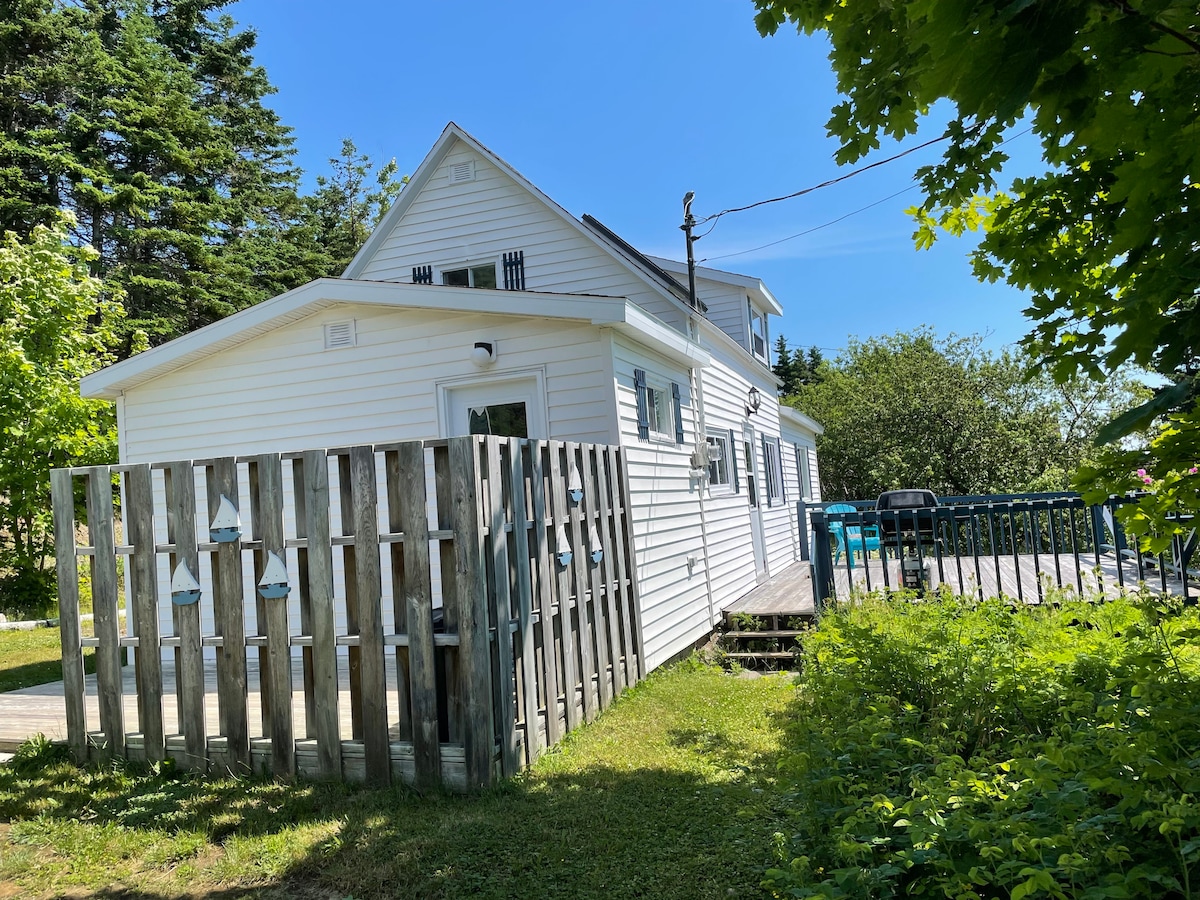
(498, 641)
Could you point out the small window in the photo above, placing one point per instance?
(720, 468)
(503, 419)
(803, 473)
(471, 276)
(758, 331)
(774, 470)
(658, 412)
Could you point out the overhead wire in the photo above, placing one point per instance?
(825, 184)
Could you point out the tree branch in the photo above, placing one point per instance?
(1125, 7)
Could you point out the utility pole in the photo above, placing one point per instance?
(689, 222)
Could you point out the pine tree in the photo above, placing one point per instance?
(783, 367)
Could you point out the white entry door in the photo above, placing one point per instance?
(510, 407)
(749, 462)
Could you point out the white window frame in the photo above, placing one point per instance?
(528, 385)
(724, 462)
(773, 470)
(496, 264)
(656, 388)
(803, 471)
(754, 314)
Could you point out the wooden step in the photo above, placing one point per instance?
(772, 654)
(763, 634)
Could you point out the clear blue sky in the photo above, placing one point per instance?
(617, 109)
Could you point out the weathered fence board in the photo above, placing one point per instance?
(519, 635)
(143, 595)
(67, 565)
(189, 661)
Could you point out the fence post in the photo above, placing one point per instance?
(822, 565)
(475, 663)
(802, 529)
(63, 500)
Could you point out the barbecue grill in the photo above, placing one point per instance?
(907, 520)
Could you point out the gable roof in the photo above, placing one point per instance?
(616, 312)
(641, 266)
(753, 285)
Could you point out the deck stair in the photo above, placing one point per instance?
(761, 640)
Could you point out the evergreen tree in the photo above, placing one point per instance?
(783, 367)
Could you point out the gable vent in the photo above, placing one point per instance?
(463, 171)
(339, 334)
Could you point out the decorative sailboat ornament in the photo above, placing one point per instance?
(574, 485)
(226, 525)
(594, 543)
(185, 589)
(563, 550)
(274, 582)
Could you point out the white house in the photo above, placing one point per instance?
(479, 304)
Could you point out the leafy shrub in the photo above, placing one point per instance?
(29, 594)
(985, 750)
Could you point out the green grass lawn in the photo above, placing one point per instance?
(671, 793)
(35, 657)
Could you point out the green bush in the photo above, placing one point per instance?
(29, 594)
(984, 750)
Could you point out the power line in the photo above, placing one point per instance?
(825, 184)
(911, 187)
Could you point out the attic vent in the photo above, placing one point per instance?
(339, 334)
(463, 171)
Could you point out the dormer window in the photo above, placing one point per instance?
(483, 276)
(758, 331)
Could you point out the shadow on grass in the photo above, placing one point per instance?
(595, 832)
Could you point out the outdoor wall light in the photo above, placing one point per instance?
(483, 353)
(753, 401)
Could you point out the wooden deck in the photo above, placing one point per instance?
(1023, 577)
(789, 593)
(42, 709)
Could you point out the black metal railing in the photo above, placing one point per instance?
(1014, 545)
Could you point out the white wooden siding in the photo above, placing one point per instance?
(448, 225)
(726, 383)
(726, 308)
(285, 392)
(665, 502)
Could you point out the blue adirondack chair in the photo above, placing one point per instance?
(852, 539)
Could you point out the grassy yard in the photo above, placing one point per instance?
(671, 793)
(35, 657)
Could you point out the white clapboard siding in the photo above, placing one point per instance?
(665, 503)
(726, 383)
(449, 225)
(726, 308)
(381, 390)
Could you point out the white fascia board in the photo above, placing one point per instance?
(110, 382)
(796, 417)
(650, 331)
(754, 285)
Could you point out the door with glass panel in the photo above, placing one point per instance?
(510, 408)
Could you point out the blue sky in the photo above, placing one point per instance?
(617, 109)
